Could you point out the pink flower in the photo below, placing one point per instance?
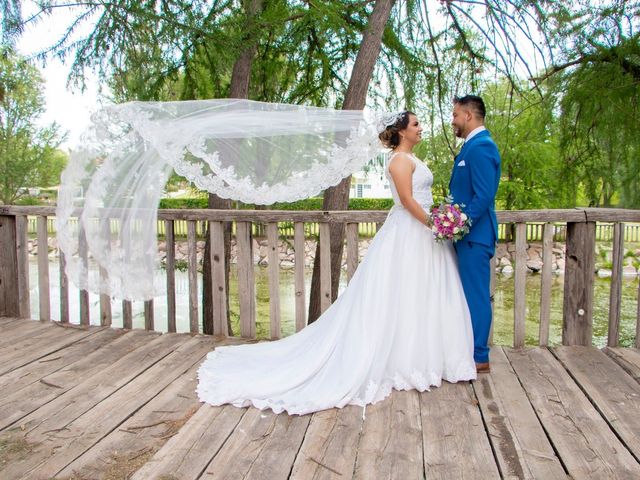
(449, 221)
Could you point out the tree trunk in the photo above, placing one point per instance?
(239, 88)
(337, 198)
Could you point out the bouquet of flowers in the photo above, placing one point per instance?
(449, 221)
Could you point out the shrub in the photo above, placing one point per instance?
(306, 204)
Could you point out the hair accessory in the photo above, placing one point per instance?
(388, 119)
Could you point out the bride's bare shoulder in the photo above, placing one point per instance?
(401, 161)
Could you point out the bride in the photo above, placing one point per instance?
(402, 322)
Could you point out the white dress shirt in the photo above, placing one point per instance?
(474, 132)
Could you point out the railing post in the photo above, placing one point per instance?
(23, 265)
(577, 322)
(520, 299)
(615, 294)
(9, 294)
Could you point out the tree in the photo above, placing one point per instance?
(523, 125)
(28, 155)
(599, 109)
(337, 198)
(279, 51)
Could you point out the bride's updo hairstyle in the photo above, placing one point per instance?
(390, 136)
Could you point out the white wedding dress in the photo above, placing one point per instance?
(402, 323)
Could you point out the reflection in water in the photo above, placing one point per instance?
(503, 328)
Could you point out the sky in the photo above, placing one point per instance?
(68, 106)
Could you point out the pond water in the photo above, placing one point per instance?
(504, 299)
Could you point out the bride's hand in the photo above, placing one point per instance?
(428, 222)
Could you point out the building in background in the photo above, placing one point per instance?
(371, 182)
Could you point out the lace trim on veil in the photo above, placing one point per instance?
(249, 151)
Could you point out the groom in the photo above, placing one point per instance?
(474, 183)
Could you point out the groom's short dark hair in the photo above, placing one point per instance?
(472, 102)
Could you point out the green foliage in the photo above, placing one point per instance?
(306, 204)
(599, 115)
(567, 133)
(183, 203)
(523, 126)
(28, 154)
(187, 50)
(28, 200)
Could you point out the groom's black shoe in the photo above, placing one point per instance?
(483, 367)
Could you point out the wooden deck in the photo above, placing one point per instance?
(85, 403)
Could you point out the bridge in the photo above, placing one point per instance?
(83, 401)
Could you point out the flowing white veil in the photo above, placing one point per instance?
(244, 150)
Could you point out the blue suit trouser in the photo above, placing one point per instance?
(474, 263)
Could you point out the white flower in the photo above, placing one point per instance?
(463, 217)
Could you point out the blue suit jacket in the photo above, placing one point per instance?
(474, 182)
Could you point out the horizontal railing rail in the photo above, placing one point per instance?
(604, 231)
(578, 226)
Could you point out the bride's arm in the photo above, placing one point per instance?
(401, 170)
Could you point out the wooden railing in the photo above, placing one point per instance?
(604, 231)
(578, 276)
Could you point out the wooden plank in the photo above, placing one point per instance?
(325, 267)
(89, 426)
(391, 439)
(149, 319)
(127, 314)
(612, 215)
(85, 393)
(614, 393)
(105, 300)
(454, 440)
(330, 445)
(9, 293)
(193, 276)
(5, 321)
(246, 280)
(524, 216)
(29, 399)
(170, 248)
(263, 445)
(300, 291)
(23, 330)
(187, 454)
(268, 216)
(26, 351)
(577, 312)
(22, 256)
(358, 216)
(519, 443)
(546, 281)
(520, 296)
(142, 434)
(584, 442)
(218, 287)
(492, 294)
(352, 249)
(627, 358)
(43, 270)
(64, 289)
(615, 294)
(273, 257)
(26, 375)
(85, 312)
(637, 343)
